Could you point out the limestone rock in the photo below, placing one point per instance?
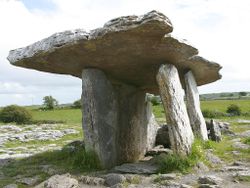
(213, 158)
(209, 179)
(119, 185)
(201, 167)
(158, 150)
(94, 181)
(169, 176)
(244, 134)
(99, 116)
(152, 128)
(61, 181)
(215, 133)
(117, 120)
(11, 186)
(137, 168)
(112, 49)
(172, 96)
(196, 118)
(242, 175)
(30, 181)
(209, 186)
(113, 179)
(162, 137)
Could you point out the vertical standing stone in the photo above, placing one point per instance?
(118, 123)
(172, 95)
(136, 123)
(197, 120)
(215, 132)
(99, 116)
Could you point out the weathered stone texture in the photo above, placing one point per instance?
(214, 131)
(196, 118)
(162, 137)
(117, 119)
(112, 49)
(172, 95)
(99, 116)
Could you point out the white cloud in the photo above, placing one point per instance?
(219, 29)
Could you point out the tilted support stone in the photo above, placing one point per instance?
(117, 120)
(197, 120)
(172, 95)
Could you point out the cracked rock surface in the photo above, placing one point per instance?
(129, 49)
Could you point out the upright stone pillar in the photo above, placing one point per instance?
(116, 119)
(100, 112)
(172, 95)
(197, 120)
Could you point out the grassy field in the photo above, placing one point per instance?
(221, 105)
(65, 161)
(69, 116)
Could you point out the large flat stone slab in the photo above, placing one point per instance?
(128, 49)
(146, 167)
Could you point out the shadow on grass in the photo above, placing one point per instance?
(71, 159)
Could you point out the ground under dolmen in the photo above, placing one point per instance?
(118, 64)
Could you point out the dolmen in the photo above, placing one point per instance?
(119, 64)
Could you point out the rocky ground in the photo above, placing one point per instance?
(228, 169)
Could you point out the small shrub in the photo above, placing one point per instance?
(77, 104)
(247, 141)
(234, 110)
(14, 113)
(155, 101)
(212, 113)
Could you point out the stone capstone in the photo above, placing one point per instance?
(112, 49)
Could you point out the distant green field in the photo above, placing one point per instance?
(70, 116)
(221, 105)
(74, 116)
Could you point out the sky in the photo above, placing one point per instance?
(220, 29)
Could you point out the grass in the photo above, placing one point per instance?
(183, 164)
(70, 116)
(221, 105)
(65, 160)
(82, 161)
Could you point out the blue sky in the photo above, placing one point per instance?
(218, 28)
(45, 5)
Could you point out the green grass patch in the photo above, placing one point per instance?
(247, 141)
(183, 164)
(70, 116)
(66, 160)
(221, 105)
(243, 178)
